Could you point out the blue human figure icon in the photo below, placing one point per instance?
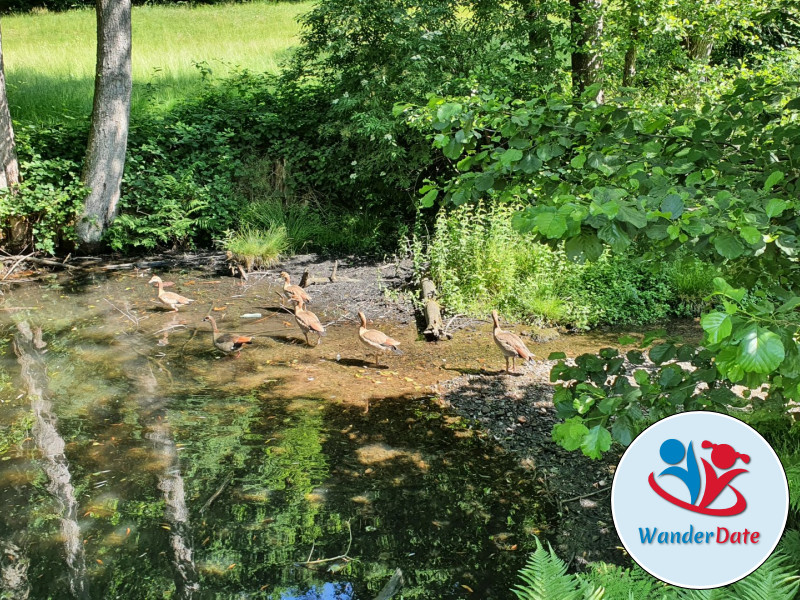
(672, 452)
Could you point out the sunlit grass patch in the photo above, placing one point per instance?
(50, 57)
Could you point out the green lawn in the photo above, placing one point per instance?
(50, 57)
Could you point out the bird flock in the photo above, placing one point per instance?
(375, 341)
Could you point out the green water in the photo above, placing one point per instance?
(139, 465)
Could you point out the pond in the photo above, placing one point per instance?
(137, 462)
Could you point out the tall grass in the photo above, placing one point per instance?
(50, 57)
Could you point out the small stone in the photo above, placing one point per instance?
(522, 419)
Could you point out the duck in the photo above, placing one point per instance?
(170, 299)
(306, 320)
(290, 290)
(227, 342)
(375, 340)
(510, 344)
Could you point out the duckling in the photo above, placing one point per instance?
(307, 320)
(290, 290)
(375, 340)
(227, 342)
(170, 299)
(510, 344)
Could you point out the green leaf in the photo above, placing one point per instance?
(551, 224)
(723, 288)
(529, 163)
(596, 441)
(774, 179)
(510, 156)
(641, 377)
(614, 236)
(673, 204)
(578, 161)
(632, 215)
(447, 111)
(661, 353)
(557, 356)
(623, 430)
(680, 130)
(760, 351)
(717, 325)
(728, 246)
(775, 206)
(547, 151)
(750, 234)
(570, 434)
(484, 181)
(585, 246)
(428, 199)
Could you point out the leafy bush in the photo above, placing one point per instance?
(480, 262)
(41, 212)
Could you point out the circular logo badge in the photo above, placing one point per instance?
(700, 500)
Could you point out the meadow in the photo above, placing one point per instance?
(50, 57)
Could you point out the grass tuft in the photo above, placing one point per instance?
(256, 248)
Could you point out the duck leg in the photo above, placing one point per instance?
(507, 371)
(307, 342)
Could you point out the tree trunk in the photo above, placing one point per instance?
(108, 137)
(9, 174)
(629, 68)
(587, 30)
(9, 166)
(699, 48)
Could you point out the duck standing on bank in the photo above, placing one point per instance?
(510, 344)
(227, 342)
(290, 290)
(306, 320)
(375, 340)
(170, 299)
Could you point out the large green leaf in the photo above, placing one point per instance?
(728, 246)
(596, 441)
(774, 179)
(614, 236)
(717, 325)
(447, 111)
(760, 351)
(551, 224)
(569, 434)
(584, 247)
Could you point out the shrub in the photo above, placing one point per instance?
(480, 262)
(257, 248)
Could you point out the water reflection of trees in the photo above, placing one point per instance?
(28, 345)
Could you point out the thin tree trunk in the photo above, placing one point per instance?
(629, 66)
(9, 165)
(108, 138)
(587, 31)
(699, 48)
(9, 174)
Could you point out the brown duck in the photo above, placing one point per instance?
(227, 342)
(510, 344)
(375, 340)
(306, 320)
(170, 299)
(290, 290)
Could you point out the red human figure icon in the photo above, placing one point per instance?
(724, 457)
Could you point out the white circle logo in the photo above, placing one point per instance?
(700, 500)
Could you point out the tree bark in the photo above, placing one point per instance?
(587, 29)
(9, 173)
(629, 66)
(108, 137)
(699, 48)
(9, 165)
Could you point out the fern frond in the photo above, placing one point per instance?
(790, 546)
(545, 578)
(774, 580)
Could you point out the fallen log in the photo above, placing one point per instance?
(432, 311)
(307, 279)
